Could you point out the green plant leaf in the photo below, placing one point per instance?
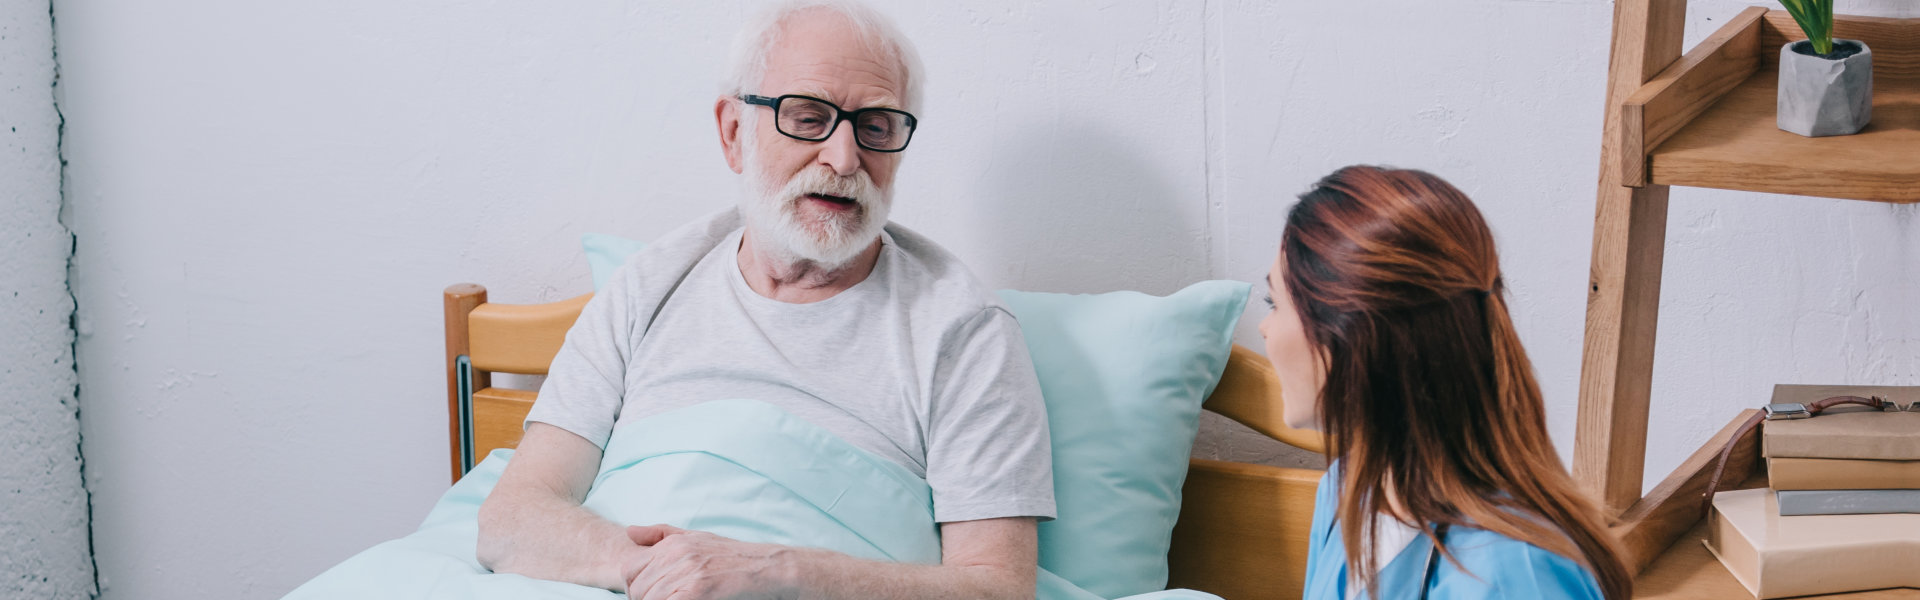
(1826, 27)
(1816, 20)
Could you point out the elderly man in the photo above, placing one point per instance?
(818, 306)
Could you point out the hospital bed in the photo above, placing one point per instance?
(1242, 531)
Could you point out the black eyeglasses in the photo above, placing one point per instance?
(812, 119)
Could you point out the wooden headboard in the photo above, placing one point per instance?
(1243, 528)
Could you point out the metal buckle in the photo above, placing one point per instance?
(1788, 411)
(1890, 405)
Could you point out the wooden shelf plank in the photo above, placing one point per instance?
(1735, 143)
(1681, 92)
(1651, 525)
(1736, 146)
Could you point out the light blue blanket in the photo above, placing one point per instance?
(737, 468)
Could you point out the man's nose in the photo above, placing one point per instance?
(840, 152)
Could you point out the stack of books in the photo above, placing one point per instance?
(1842, 512)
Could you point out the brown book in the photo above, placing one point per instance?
(1842, 474)
(1846, 432)
(1780, 557)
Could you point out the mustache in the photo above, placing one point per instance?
(819, 179)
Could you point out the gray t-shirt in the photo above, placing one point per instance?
(918, 363)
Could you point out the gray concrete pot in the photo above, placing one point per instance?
(1820, 96)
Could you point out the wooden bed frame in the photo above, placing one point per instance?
(1242, 532)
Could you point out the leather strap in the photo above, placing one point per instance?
(1813, 408)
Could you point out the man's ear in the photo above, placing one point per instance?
(726, 115)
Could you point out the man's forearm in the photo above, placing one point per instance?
(548, 538)
(822, 575)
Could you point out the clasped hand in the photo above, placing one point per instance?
(672, 563)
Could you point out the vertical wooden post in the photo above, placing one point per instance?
(1623, 301)
(459, 300)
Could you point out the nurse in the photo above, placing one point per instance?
(1390, 333)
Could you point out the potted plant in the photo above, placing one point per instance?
(1826, 85)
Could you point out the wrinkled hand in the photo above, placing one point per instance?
(635, 557)
(695, 565)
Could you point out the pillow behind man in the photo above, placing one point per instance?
(1123, 375)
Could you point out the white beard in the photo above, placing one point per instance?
(829, 239)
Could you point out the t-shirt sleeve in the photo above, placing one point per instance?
(988, 451)
(587, 380)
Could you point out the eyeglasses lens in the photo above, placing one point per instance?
(813, 120)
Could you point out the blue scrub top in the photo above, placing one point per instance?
(1497, 566)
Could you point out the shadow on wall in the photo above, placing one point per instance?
(1083, 210)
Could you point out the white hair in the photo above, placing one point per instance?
(749, 64)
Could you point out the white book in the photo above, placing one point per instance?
(1781, 557)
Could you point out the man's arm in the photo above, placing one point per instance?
(533, 525)
(988, 558)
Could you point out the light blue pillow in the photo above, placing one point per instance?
(1123, 375)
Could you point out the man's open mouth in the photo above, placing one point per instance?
(836, 201)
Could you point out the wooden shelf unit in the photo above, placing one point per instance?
(1709, 118)
(1705, 119)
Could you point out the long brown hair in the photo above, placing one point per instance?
(1428, 393)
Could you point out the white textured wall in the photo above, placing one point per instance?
(270, 199)
(43, 508)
